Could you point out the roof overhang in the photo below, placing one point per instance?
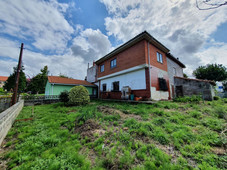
(72, 84)
(143, 36)
(170, 56)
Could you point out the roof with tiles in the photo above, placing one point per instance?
(3, 78)
(68, 81)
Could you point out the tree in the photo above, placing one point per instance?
(185, 75)
(224, 86)
(209, 4)
(10, 83)
(38, 83)
(215, 72)
(63, 75)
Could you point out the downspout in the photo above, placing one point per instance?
(52, 89)
(149, 66)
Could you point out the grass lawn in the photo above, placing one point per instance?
(109, 135)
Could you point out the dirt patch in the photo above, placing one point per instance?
(123, 115)
(89, 129)
(71, 111)
(219, 150)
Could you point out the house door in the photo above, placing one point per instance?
(179, 91)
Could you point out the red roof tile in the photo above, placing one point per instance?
(68, 81)
(3, 78)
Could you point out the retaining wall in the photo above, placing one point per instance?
(7, 118)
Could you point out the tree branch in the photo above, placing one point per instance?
(212, 5)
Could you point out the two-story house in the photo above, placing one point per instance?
(141, 64)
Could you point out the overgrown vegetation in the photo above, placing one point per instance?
(109, 135)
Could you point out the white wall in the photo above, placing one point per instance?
(135, 80)
(179, 72)
(91, 74)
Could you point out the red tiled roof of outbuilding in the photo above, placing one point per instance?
(68, 81)
(3, 78)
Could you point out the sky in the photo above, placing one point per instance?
(66, 35)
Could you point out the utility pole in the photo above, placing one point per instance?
(14, 97)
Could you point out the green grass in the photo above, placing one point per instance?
(165, 135)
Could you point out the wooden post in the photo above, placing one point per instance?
(14, 97)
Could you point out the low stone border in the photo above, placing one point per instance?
(7, 118)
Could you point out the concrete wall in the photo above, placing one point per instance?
(91, 74)
(171, 73)
(193, 87)
(7, 118)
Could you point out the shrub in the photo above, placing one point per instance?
(185, 99)
(78, 95)
(64, 96)
(216, 97)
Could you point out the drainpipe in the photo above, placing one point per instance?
(52, 89)
(149, 66)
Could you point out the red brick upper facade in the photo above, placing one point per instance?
(131, 57)
(134, 53)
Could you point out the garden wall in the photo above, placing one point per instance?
(7, 118)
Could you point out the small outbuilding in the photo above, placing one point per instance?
(55, 85)
(189, 87)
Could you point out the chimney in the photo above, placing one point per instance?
(87, 65)
(177, 58)
(93, 63)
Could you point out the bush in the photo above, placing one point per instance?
(64, 96)
(192, 99)
(78, 95)
(216, 97)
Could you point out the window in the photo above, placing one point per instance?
(116, 86)
(174, 71)
(159, 57)
(113, 63)
(103, 87)
(162, 84)
(102, 68)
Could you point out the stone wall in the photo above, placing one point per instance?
(7, 118)
(189, 87)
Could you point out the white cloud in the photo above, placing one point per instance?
(179, 25)
(91, 45)
(40, 22)
(87, 46)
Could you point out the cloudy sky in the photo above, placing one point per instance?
(66, 35)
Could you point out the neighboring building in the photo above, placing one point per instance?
(55, 85)
(175, 68)
(141, 64)
(189, 87)
(219, 87)
(92, 73)
(2, 80)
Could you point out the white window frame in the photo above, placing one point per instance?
(102, 68)
(159, 57)
(113, 63)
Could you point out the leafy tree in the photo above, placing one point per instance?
(224, 86)
(216, 72)
(185, 75)
(38, 83)
(63, 75)
(10, 83)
